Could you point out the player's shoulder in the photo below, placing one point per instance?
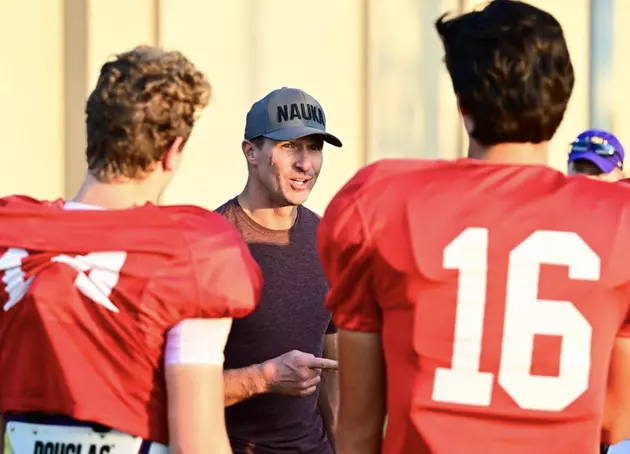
(385, 173)
(601, 205)
(601, 212)
(198, 225)
(592, 191)
(413, 172)
(19, 201)
(386, 170)
(372, 197)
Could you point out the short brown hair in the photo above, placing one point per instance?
(144, 99)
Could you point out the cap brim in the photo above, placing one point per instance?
(606, 165)
(304, 131)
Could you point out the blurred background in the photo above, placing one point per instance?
(374, 65)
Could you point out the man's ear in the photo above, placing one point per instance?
(249, 151)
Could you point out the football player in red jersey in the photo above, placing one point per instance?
(480, 302)
(109, 303)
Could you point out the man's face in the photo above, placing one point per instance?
(571, 169)
(288, 170)
(615, 175)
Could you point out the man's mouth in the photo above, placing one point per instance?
(299, 183)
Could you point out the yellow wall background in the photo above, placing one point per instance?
(374, 65)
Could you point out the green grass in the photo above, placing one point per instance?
(7, 448)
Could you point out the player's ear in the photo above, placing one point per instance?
(469, 124)
(249, 151)
(173, 156)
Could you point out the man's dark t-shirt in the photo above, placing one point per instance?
(291, 316)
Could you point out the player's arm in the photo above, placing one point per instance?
(616, 424)
(226, 284)
(231, 281)
(328, 401)
(362, 384)
(194, 384)
(345, 252)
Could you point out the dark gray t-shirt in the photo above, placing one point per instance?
(291, 315)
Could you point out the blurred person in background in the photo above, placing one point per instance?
(115, 311)
(280, 362)
(597, 154)
(480, 302)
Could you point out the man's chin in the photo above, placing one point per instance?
(297, 198)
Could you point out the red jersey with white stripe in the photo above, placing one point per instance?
(498, 291)
(87, 297)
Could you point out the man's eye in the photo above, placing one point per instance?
(288, 145)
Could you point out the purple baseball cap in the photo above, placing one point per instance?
(600, 147)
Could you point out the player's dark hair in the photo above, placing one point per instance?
(144, 99)
(511, 71)
(586, 167)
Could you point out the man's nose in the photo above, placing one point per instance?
(304, 163)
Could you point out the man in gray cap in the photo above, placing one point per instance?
(280, 362)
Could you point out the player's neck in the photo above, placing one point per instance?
(510, 153)
(264, 212)
(114, 196)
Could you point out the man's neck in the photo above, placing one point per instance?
(264, 213)
(113, 196)
(511, 153)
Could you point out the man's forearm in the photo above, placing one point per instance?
(242, 384)
(328, 403)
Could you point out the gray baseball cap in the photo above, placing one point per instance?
(287, 114)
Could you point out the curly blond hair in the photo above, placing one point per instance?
(143, 101)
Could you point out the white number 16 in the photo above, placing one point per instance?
(525, 316)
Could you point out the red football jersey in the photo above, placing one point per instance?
(498, 290)
(88, 296)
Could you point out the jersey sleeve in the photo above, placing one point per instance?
(345, 254)
(229, 281)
